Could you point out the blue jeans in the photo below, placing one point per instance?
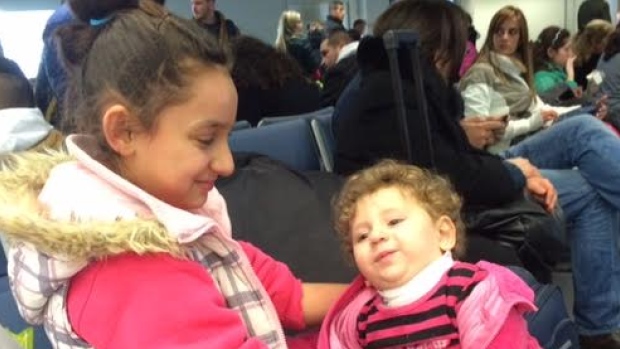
(581, 157)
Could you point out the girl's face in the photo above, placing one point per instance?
(394, 238)
(179, 160)
(506, 37)
(561, 55)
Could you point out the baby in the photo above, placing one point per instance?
(402, 227)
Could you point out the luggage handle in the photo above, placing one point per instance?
(393, 41)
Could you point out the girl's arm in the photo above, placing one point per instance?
(298, 305)
(318, 299)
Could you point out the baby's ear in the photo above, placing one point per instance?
(447, 233)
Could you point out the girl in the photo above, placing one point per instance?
(402, 227)
(554, 76)
(124, 242)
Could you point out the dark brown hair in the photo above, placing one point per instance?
(134, 53)
(433, 192)
(552, 37)
(441, 26)
(590, 38)
(260, 64)
(15, 92)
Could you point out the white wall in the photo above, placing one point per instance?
(539, 13)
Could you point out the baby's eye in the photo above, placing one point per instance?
(361, 237)
(395, 221)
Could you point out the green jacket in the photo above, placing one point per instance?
(550, 78)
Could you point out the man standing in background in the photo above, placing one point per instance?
(592, 9)
(335, 17)
(213, 21)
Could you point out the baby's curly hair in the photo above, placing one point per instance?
(433, 192)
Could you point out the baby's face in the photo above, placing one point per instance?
(394, 238)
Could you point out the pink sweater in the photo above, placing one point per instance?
(490, 318)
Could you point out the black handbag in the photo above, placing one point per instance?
(538, 237)
(522, 226)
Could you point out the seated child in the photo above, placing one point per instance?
(402, 227)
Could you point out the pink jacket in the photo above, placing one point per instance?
(156, 300)
(490, 318)
(470, 58)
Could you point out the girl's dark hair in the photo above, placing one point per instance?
(613, 45)
(134, 53)
(441, 26)
(552, 37)
(260, 64)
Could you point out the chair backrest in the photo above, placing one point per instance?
(324, 136)
(241, 125)
(309, 116)
(289, 141)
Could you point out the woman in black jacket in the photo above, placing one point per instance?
(581, 156)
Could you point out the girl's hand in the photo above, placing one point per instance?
(543, 191)
(570, 67)
(601, 108)
(482, 132)
(549, 115)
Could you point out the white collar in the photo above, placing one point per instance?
(419, 285)
(347, 50)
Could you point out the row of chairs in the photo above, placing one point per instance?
(304, 142)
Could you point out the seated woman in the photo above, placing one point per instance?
(580, 155)
(269, 83)
(554, 70)
(610, 67)
(588, 46)
(501, 82)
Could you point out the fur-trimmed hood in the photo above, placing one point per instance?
(24, 219)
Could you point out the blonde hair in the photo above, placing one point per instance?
(287, 27)
(594, 33)
(524, 53)
(433, 192)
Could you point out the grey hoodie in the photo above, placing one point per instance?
(21, 129)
